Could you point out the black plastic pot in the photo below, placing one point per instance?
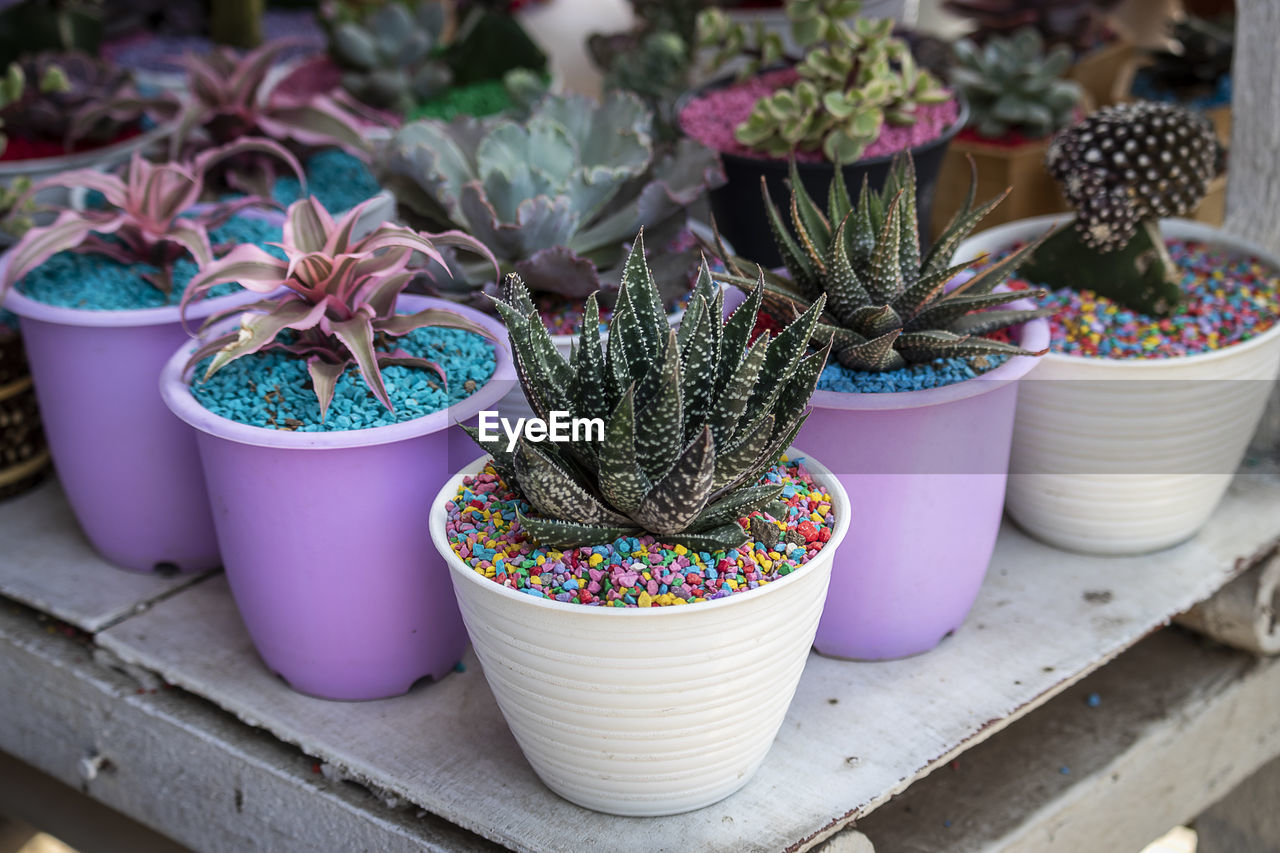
(739, 210)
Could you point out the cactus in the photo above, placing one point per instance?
(854, 77)
(1012, 85)
(692, 419)
(388, 52)
(1123, 168)
(886, 306)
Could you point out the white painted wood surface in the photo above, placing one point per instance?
(46, 563)
(856, 733)
(1245, 613)
(1178, 724)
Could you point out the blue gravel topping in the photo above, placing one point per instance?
(273, 389)
(915, 377)
(97, 283)
(337, 179)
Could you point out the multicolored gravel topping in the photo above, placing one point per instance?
(637, 571)
(1229, 299)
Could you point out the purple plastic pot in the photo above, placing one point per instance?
(324, 535)
(926, 474)
(128, 466)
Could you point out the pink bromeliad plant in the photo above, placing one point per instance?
(233, 96)
(143, 220)
(339, 298)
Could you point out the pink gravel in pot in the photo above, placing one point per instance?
(712, 117)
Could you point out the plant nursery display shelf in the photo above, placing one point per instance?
(158, 707)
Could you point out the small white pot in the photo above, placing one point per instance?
(651, 711)
(1125, 456)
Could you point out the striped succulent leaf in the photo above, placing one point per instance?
(887, 304)
(693, 419)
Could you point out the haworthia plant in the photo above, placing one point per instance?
(693, 419)
(887, 306)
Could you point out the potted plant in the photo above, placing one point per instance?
(643, 595)
(50, 120)
(1165, 340)
(97, 293)
(556, 196)
(1017, 100)
(855, 99)
(1082, 25)
(408, 57)
(345, 597)
(917, 407)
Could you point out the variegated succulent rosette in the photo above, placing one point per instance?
(333, 300)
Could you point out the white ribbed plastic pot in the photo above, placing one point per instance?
(651, 711)
(1126, 456)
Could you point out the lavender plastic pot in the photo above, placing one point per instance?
(325, 540)
(129, 468)
(926, 474)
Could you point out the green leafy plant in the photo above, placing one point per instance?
(886, 306)
(1012, 85)
(555, 196)
(389, 52)
(337, 300)
(855, 76)
(1122, 169)
(1078, 24)
(693, 418)
(35, 26)
(17, 208)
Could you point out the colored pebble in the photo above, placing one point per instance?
(1093, 700)
(481, 99)
(1229, 299)
(339, 180)
(914, 377)
(97, 283)
(631, 571)
(282, 396)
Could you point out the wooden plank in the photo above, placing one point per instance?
(1246, 820)
(1175, 724)
(177, 764)
(47, 563)
(856, 733)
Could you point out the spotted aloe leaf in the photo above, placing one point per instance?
(683, 448)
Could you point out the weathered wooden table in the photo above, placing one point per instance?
(145, 694)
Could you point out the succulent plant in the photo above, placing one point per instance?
(1079, 24)
(555, 196)
(58, 97)
(692, 418)
(231, 97)
(855, 76)
(339, 298)
(1012, 85)
(1199, 57)
(143, 219)
(886, 306)
(16, 210)
(1123, 168)
(388, 52)
(33, 26)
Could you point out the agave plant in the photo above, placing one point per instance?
(1012, 84)
(339, 299)
(148, 216)
(855, 76)
(555, 196)
(232, 98)
(693, 418)
(886, 305)
(389, 51)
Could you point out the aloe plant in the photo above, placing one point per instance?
(555, 196)
(886, 305)
(338, 299)
(693, 418)
(147, 218)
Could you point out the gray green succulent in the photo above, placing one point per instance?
(14, 92)
(855, 76)
(1011, 84)
(389, 52)
(886, 304)
(693, 418)
(555, 195)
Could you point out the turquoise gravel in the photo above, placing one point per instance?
(915, 377)
(339, 180)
